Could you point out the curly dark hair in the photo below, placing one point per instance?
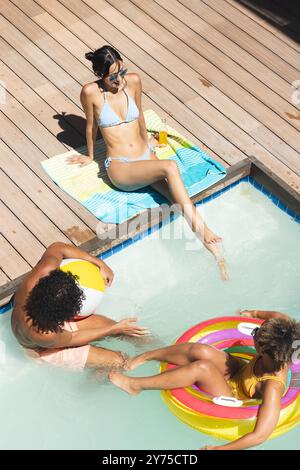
(276, 337)
(56, 298)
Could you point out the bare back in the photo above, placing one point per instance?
(22, 326)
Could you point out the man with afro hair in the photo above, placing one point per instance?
(45, 309)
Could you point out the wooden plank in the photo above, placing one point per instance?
(40, 60)
(40, 216)
(211, 94)
(18, 235)
(227, 50)
(176, 37)
(11, 262)
(218, 61)
(20, 146)
(78, 48)
(85, 13)
(26, 97)
(17, 19)
(277, 30)
(216, 142)
(3, 278)
(212, 116)
(51, 205)
(31, 9)
(75, 231)
(4, 282)
(66, 110)
(31, 127)
(248, 35)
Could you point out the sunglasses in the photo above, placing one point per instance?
(122, 72)
(254, 331)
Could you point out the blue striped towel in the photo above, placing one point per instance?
(197, 168)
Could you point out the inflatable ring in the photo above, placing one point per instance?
(218, 417)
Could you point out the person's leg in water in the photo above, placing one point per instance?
(164, 177)
(202, 373)
(101, 357)
(162, 187)
(186, 353)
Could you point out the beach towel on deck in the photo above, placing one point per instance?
(110, 205)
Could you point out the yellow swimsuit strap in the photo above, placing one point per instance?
(262, 379)
(271, 377)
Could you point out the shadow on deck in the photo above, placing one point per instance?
(283, 14)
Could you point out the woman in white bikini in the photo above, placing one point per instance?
(113, 103)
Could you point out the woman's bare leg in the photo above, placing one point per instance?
(186, 353)
(202, 373)
(163, 188)
(149, 172)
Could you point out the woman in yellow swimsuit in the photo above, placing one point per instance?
(218, 373)
(113, 103)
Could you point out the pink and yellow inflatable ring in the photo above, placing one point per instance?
(228, 418)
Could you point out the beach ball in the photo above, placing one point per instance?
(90, 281)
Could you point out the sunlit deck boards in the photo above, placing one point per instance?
(221, 74)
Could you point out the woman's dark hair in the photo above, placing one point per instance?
(276, 337)
(102, 59)
(56, 298)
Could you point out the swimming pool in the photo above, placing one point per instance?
(170, 286)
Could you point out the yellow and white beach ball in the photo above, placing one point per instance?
(89, 280)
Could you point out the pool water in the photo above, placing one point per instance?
(170, 286)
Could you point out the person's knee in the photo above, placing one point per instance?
(202, 366)
(99, 357)
(200, 351)
(170, 168)
(119, 359)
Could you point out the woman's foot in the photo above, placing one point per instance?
(211, 237)
(223, 270)
(124, 383)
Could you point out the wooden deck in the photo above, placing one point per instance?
(220, 72)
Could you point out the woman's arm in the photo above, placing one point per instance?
(262, 314)
(267, 419)
(138, 99)
(58, 251)
(67, 339)
(86, 98)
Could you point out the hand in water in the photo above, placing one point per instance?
(246, 313)
(80, 160)
(129, 327)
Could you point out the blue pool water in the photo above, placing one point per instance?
(170, 286)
